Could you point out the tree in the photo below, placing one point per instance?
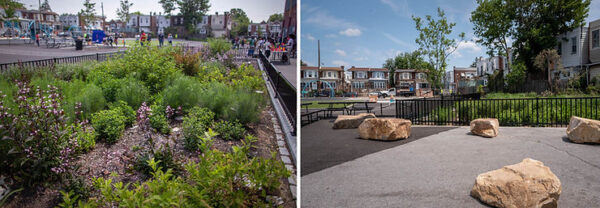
(123, 12)
(276, 17)
(168, 6)
(45, 6)
(10, 7)
(548, 61)
(434, 42)
(192, 10)
(88, 13)
(241, 22)
(492, 24)
(406, 60)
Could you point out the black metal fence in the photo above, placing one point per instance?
(542, 112)
(61, 60)
(284, 90)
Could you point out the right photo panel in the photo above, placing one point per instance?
(450, 103)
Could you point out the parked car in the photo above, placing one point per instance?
(324, 93)
(350, 94)
(388, 93)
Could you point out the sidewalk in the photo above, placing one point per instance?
(288, 71)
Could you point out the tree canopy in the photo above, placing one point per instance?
(435, 43)
(533, 25)
(45, 6)
(276, 17)
(191, 10)
(241, 22)
(10, 7)
(88, 13)
(123, 12)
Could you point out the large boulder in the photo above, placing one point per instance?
(351, 121)
(525, 184)
(583, 130)
(486, 127)
(384, 129)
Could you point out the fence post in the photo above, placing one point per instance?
(97, 57)
(537, 112)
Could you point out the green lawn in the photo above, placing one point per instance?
(154, 42)
(500, 95)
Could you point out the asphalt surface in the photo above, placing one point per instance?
(324, 147)
(440, 170)
(289, 71)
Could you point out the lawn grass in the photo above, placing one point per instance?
(501, 95)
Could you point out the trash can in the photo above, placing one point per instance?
(78, 44)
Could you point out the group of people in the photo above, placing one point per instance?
(146, 37)
(266, 44)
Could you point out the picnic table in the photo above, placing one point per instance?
(305, 105)
(349, 106)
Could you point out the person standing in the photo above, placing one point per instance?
(117, 39)
(170, 37)
(161, 39)
(175, 35)
(37, 39)
(149, 38)
(143, 38)
(268, 48)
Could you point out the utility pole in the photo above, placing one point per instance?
(319, 53)
(102, 6)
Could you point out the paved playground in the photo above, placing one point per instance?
(436, 167)
(10, 53)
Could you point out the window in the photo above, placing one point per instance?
(358, 85)
(379, 85)
(361, 75)
(329, 74)
(310, 74)
(421, 76)
(595, 38)
(423, 85)
(559, 48)
(378, 75)
(573, 45)
(405, 75)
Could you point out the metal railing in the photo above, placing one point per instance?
(539, 112)
(61, 60)
(284, 90)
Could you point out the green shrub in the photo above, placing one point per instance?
(109, 125)
(184, 92)
(516, 77)
(218, 179)
(91, 99)
(230, 130)
(126, 111)
(133, 92)
(189, 63)
(218, 46)
(106, 82)
(195, 124)
(164, 158)
(8, 89)
(73, 71)
(246, 107)
(85, 137)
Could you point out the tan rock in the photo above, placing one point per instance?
(583, 130)
(384, 129)
(351, 121)
(486, 127)
(525, 184)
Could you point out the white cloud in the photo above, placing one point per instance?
(323, 19)
(401, 8)
(351, 32)
(340, 63)
(340, 52)
(309, 37)
(468, 45)
(395, 40)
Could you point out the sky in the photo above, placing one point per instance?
(366, 33)
(257, 10)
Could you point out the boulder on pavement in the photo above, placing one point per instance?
(384, 129)
(525, 184)
(351, 121)
(583, 130)
(486, 127)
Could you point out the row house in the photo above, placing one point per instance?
(25, 17)
(367, 79)
(265, 29)
(488, 66)
(324, 78)
(579, 51)
(203, 27)
(220, 25)
(407, 79)
(458, 75)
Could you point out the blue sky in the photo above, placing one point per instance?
(365, 33)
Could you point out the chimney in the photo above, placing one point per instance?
(217, 13)
(343, 67)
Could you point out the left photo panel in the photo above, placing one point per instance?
(148, 103)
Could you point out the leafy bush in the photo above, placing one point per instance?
(164, 158)
(126, 111)
(133, 92)
(36, 146)
(85, 137)
(91, 99)
(68, 72)
(109, 124)
(516, 77)
(107, 82)
(232, 104)
(218, 46)
(195, 124)
(188, 62)
(218, 180)
(158, 119)
(230, 130)
(184, 92)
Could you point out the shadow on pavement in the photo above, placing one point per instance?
(324, 147)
